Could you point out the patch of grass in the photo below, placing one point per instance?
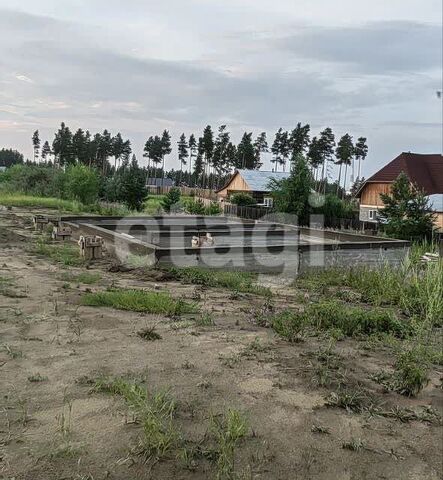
(68, 450)
(37, 378)
(352, 400)
(153, 204)
(339, 318)
(22, 200)
(320, 429)
(231, 360)
(153, 411)
(242, 282)
(411, 372)
(12, 352)
(290, 325)
(149, 334)
(416, 289)
(84, 277)
(32, 201)
(355, 445)
(204, 320)
(254, 348)
(62, 253)
(228, 431)
(139, 301)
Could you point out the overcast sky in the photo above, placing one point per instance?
(369, 68)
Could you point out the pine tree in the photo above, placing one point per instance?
(276, 149)
(344, 153)
(291, 195)
(192, 145)
(121, 149)
(208, 150)
(131, 184)
(62, 146)
(219, 158)
(182, 153)
(46, 150)
(361, 151)
(406, 213)
(299, 139)
(79, 145)
(246, 152)
(199, 166)
(35, 144)
(326, 145)
(165, 148)
(260, 146)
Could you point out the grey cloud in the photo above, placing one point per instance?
(379, 47)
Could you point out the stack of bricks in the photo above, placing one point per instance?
(91, 247)
(40, 222)
(61, 232)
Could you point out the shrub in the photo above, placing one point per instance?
(82, 184)
(171, 199)
(213, 209)
(195, 207)
(411, 372)
(289, 325)
(242, 199)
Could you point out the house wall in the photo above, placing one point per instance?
(237, 184)
(439, 221)
(370, 195)
(364, 214)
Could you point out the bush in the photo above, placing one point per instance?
(411, 372)
(34, 180)
(195, 207)
(172, 198)
(242, 199)
(350, 321)
(82, 184)
(213, 209)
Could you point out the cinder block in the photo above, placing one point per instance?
(91, 247)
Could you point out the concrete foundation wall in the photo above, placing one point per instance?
(350, 257)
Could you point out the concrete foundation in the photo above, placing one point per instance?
(235, 244)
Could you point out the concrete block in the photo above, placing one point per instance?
(91, 247)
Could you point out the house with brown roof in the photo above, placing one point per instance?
(424, 171)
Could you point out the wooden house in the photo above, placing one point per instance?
(424, 171)
(253, 182)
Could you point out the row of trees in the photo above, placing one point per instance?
(206, 161)
(9, 157)
(82, 148)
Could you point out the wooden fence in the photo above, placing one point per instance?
(185, 191)
(269, 215)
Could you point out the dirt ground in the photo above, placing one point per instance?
(292, 434)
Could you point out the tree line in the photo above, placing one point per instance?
(207, 160)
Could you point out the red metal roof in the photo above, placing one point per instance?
(425, 171)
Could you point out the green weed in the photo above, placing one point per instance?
(242, 282)
(153, 411)
(228, 431)
(62, 253)
(411, 372)
(36, 378)
(339, 318)
(149, 333)
(139, 301)
(83, 277)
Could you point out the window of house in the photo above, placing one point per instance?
(372, 214)
(268, 202)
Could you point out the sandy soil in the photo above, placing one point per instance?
(44, 330)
